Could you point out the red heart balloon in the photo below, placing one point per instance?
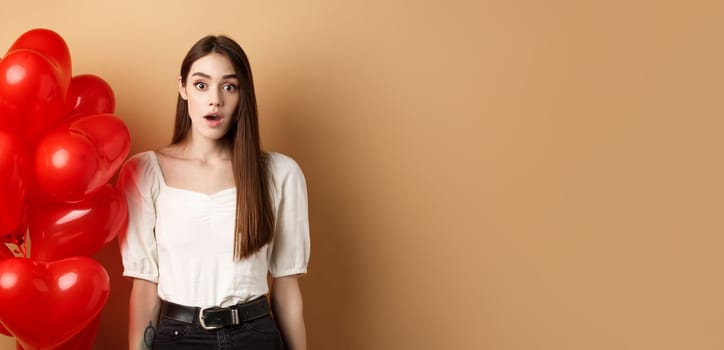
(46, 304)
(89, 94)
(14, 172)
(62, 230)
(81, 341)
(75, 160)
(65, 164)
(4, 254)
(85, 339)
(111, 138)
(48, 43)
(33, 94)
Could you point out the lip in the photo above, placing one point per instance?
(214, 122)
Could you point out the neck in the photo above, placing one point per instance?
(205, 149)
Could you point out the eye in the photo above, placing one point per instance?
(200, 85)
(230, 87)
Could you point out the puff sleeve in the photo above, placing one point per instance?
(138, 183)
(290, 248)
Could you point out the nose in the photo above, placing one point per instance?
(215, 99)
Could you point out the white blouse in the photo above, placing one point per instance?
(184, 240)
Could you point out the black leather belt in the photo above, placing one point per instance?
(216, 317)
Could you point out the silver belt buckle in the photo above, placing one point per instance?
(202, 318)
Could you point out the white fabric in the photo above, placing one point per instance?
(183, 240)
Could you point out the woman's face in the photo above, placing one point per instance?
(212, 93)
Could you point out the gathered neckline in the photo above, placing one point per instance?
(157, 168)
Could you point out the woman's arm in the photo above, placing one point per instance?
(144, 306)
(286, 300)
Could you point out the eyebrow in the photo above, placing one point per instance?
(204, 75)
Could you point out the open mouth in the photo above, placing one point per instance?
(214, 120)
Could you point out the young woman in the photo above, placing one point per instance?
(210, 216)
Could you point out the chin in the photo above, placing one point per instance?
(215, 134)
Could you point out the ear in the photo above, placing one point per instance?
(182, 89)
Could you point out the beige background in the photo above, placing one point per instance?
(502, 175)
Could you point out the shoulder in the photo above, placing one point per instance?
(139, 161)
(287, 181)
(139, 167)
(285, 173)
(281, 165)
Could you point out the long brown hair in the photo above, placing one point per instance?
(254, 215)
